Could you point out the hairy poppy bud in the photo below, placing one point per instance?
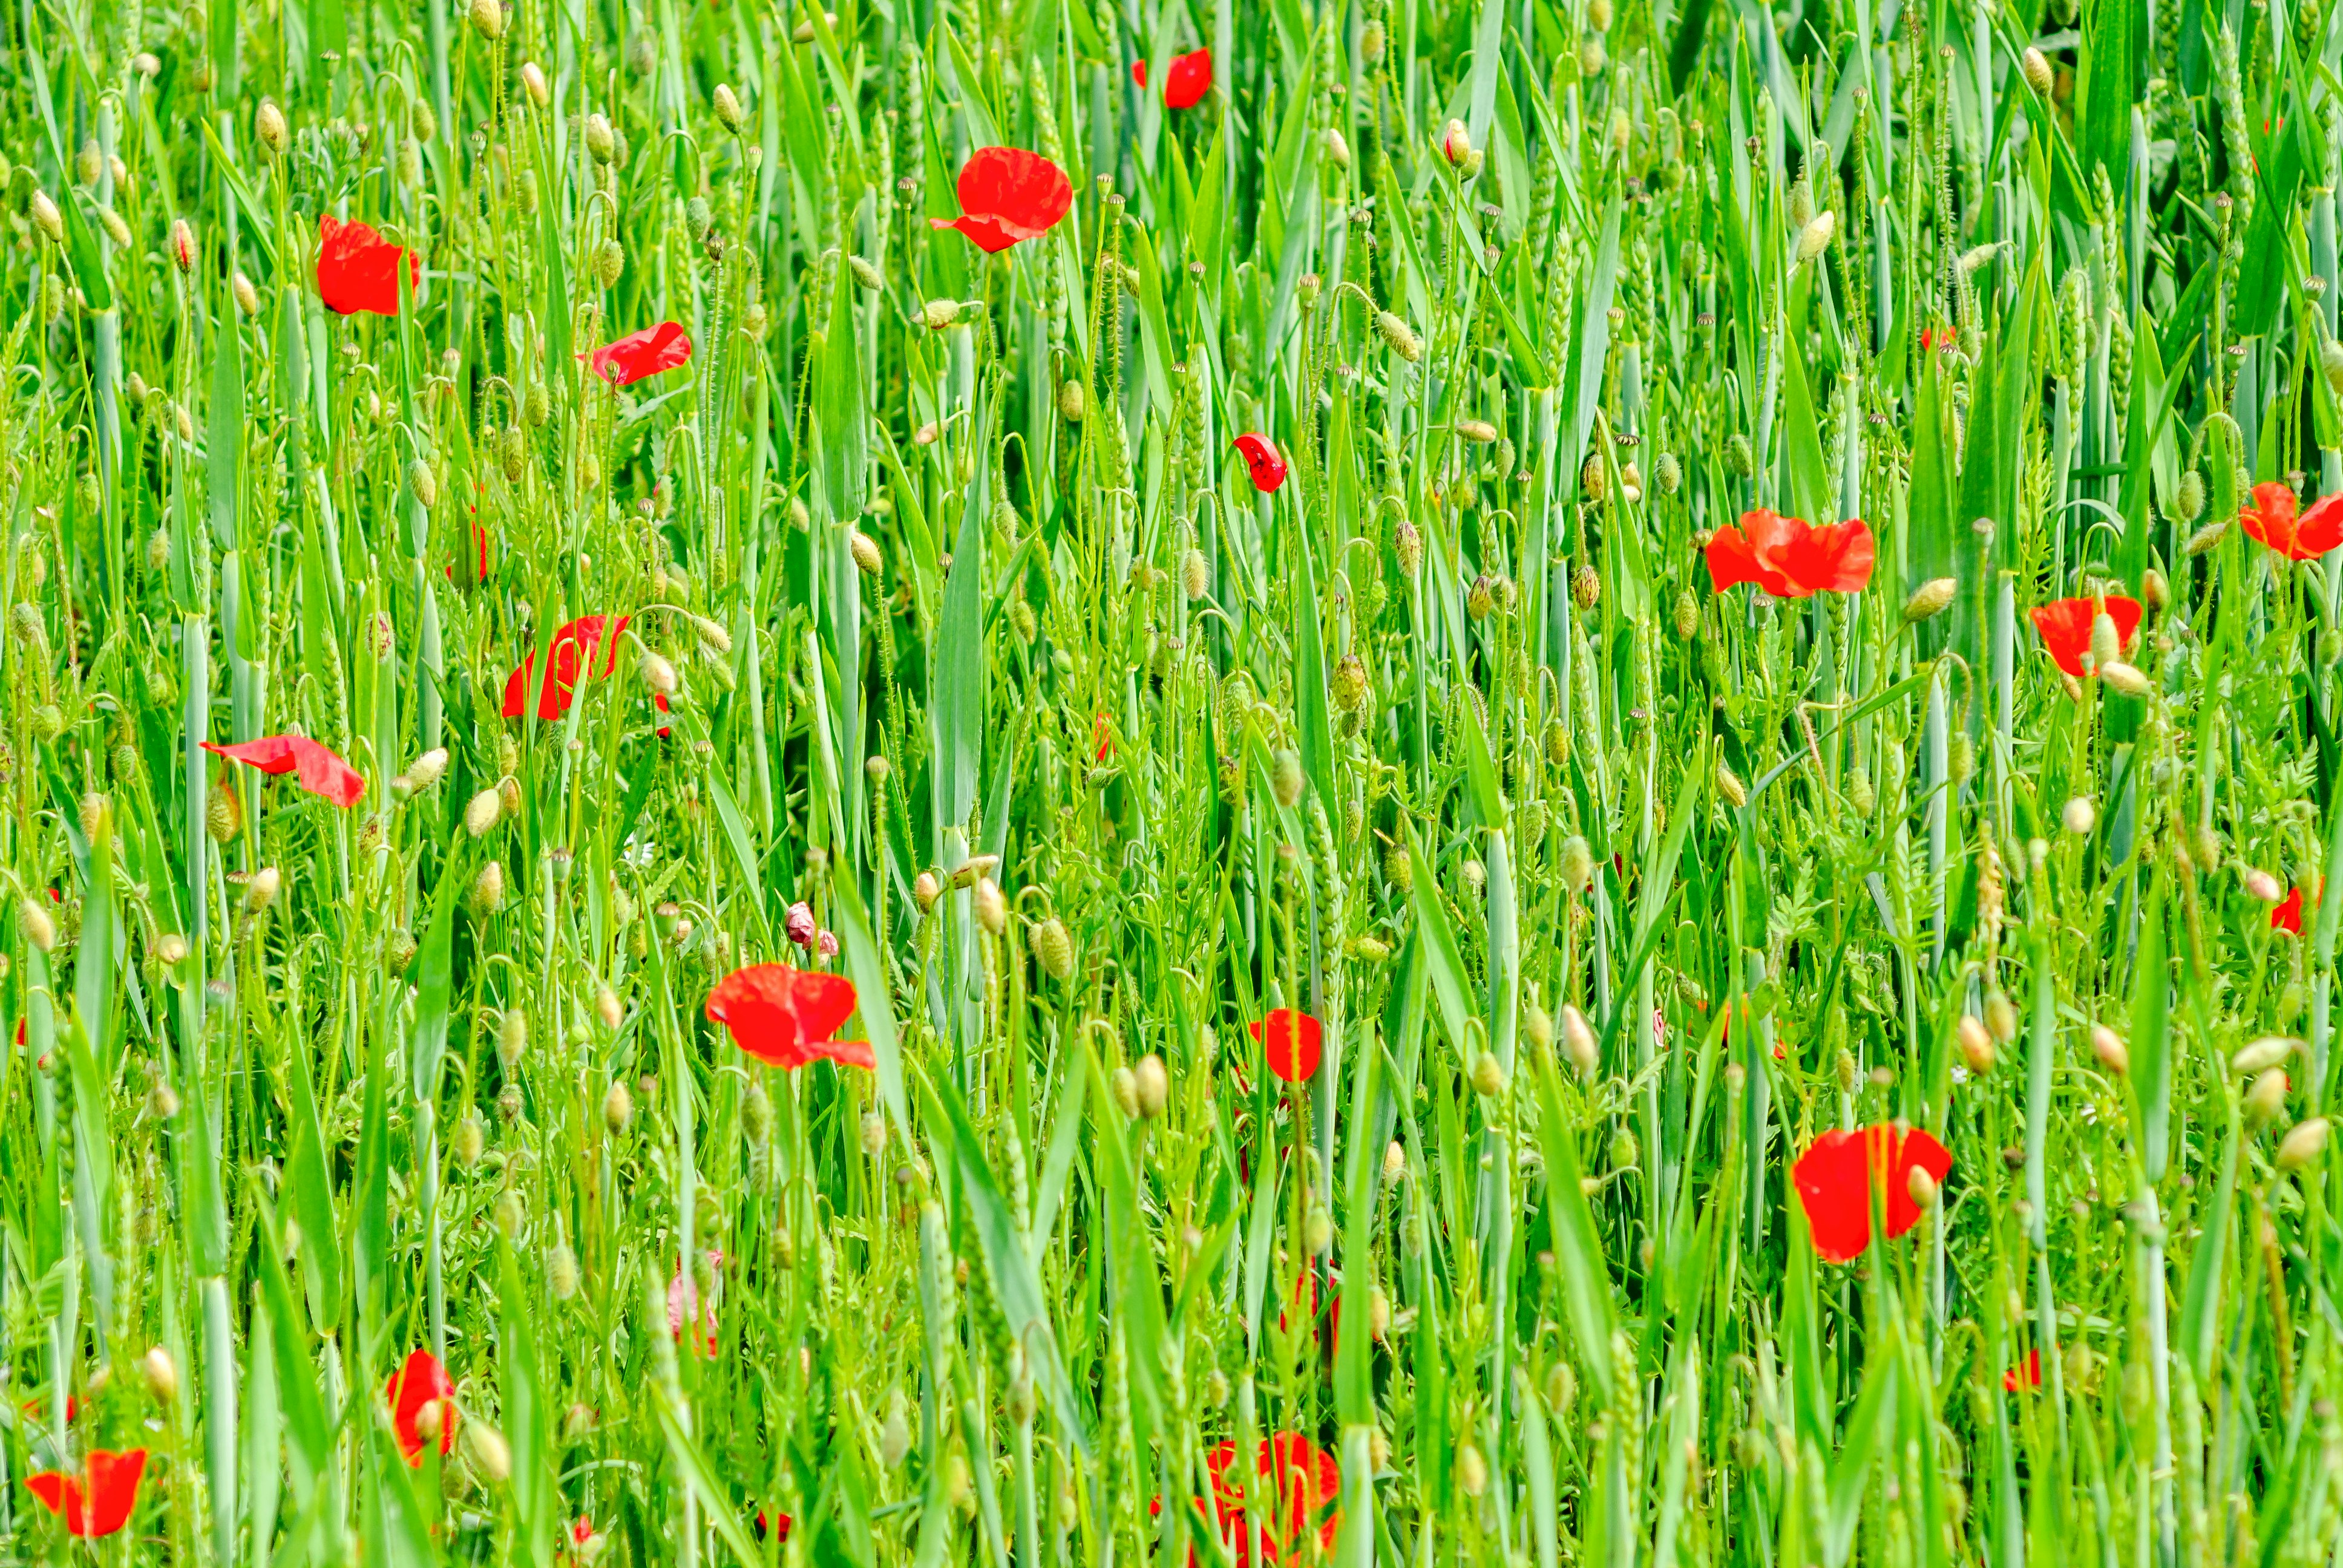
(1394, 1162)
(2000, 1017)
(728, 112)
(171, 949)
(1578, 1041)
(1729, 785)
(261, 891)
(865, 551)
(1592, 56)
(618, 1109)
(2109, 1048)
(1576, 863)
(561, 1272)
(2125, 678)
(1407, 548)
(1923, 1188)
(489, 888)
(1667, 473)
(483, 812)
(1285, 776)
(533, 83)
(2078, 815)
(1338, 150)
(489, 1453)
(488, 17)
(1975, 1043)
(2264, 1053)
(1399, 337)
(2266, 1097)
(1739, 461)
(2155, 592)
(1585, 588)
(1123, 1085)
(162, 1375)
(1155, 1086)
(2205, 537)
(1929, 599)
(1399, 870)
(601, 142)
(2036, 67)
(469, 1142)
(40, 931)
(1686, 619)
(1318, 1231)
(1054, 946)
(247, 298)
(1815, 237)
(426, 770)
(2107, 643)
(1488, 1075)
(1479, 431)
(512, 1038)
(183, 245)
(1471, 1472)
(2303, 1144)
(47, 218)
(925, 890)
(991, 908)
(2188, 505)
(656, 673)
(1072, 401)
(1456, 143)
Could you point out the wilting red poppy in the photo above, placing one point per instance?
(99, 1500)
(1007, 194)
(1789, 557)
(2027, 1374)
(683, 1302)
(2288, 916)
(315, 767)
(786, 1016)
(1836, 1178)
(2270, 518)
(1267, 463)
(414, 1388)
(641, 354)
(1303, 1482)
(1186, 83)
(2065, 626)
(1293, 1041)
(357, 269)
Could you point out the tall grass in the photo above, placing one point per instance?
(1614, 890)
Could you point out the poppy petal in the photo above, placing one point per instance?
(1188, 80)
(2320, 529)
(316, 768)
(420, 1381)
(1291, 1043)
(357, 269)
(1007, 195)
(787, 1016)
(645, 353)
(1267, 464)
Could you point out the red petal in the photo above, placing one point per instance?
(1267, 463)
(2320, 529)
(1833, 560)
(1007, 195)
(1892, 1159)
(2288, 916)
(357, 269)
(1139, 73)
(641, 354)
(1291, 1042)
(1188, 80)
(787, 1016)
(113, 1490)
(420, 1381)
(1829, 1177)
(1730, 561)
(319, 770)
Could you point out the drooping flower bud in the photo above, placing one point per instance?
(1155, 1086)
(533, 83)
(261, 891)
(2302, 1144)
(485, 810)
(47, 218)
(1578, 1041)
(1929, 599)
(1815, 237)
(1975, 1043)
(489, 888)
(2036, 67)
(618, 1108)
(1399, 337)
(1054, 946)
(488, 18)
(2109, 1048)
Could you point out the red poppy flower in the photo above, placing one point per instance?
(1789, 557)
(1268, 465)
(683, 1302)
(2027, 1375)
(641, 354)
(1186, 83)
(1304, 1481)
(37, 1407)
(581, 1531)
(786, 1016)
(99, 1500)
(779, 1525)
(1293, 1041)
(471, 567)
(2288, 916)
(414, 1387)
(574, 644)
(2270, 518)
(2065, 626)
(1836, 1178)
(1007, 194)
(316, 769)
(357, 269)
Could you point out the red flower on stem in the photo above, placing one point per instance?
(2027, 1374)
(1186, 83)
(357, 269)
(1836, 1176)
(641, 354)
(1789, 557)
(99, 1500)
(2065, 626)
(2270, 518)
(314, 767)
(574, 644)
(786, 1016)
(419, 1385)
(1291, 1040)
(1007, 195)
(1303, 1482)
(1268, 465)
(2288, 917)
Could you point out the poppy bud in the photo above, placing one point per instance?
(2000, 1017)
(1923, 1188)
(1479, 431)
(2330, 364)
(1350, 685)
(2205, 537)
(1456, 143)
(426, 770)
(399, 951)
(938, 313)
(1480, 598)
(1398, 869)
(2262, 1054)
(2266, 1097)
(1592, 56)
(2076, 816)
(533, 83)
(728, 112)
(170, 950)
(601, 142)
(607, 1007)
(1399, 336)
(1285, 776)
(467, 1141)
(1578, 1041)
(2188, 505)
(1338, 150)
(1394, 1162)
(1667, 472)
(1975, 1043)
(488, 18)
(1054, 946)
(1407, 548)
(865, 551)
(1124, 1085)
(2127, 679)
(2303, 1144)
(261, 891)
(1738, 460)
(2261, 884)
(1585, 588)
(1730, 786)
(561, 1272)
(39, 929)
(1488, 1075)
(2155, 592)
(618, 1109)
(1471, 1471)
(1072, 401)
(1688, 616)
(489, 888)
(483, 812)
(2036, 67)
(1815, 237)
(183, 245)
(656, 673)
(1929, 599)
(991, 908)
(512, 1038)
(2109, 1048)
(162, 1375)
(1318, 1231)
(1155, 1086)
(491, 1455)
(1576, 863)
(47, 218)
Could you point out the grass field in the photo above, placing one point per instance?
(1425, 783)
